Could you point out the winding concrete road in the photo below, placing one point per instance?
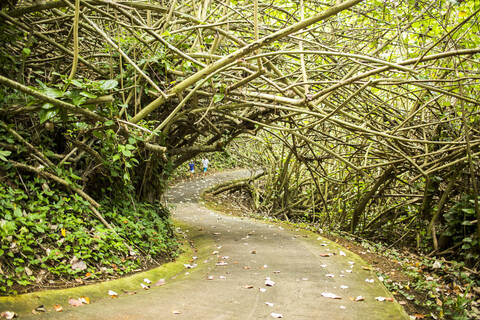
(247, 269)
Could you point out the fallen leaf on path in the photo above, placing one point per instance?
(215, 252)
(276, 315)
(253, 252)
(248, 286)
(75, 302)
(78, 280)
(160, 282)
(269, 282)
(419, 316)
(381, 299)
(39, 309)
(58, 308)
(210, 278)
(221, 263)
(84, 299)
(349, 271)
(112, 294)
(246, 267)
(130, 293)
(147, 281)
(176, 312)
(276, 271)
(269, 304)
(330, 295)
(8, 315)
(325, 254)
(366, 268)
(359, 298)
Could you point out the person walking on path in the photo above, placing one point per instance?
(205, 165)
(191, 166)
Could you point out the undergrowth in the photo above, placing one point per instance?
(47, 234)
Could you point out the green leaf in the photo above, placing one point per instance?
(469, 210)
(109, 84)
(77, 83)
(127, 153)
(88, 95)
(115, 157)
(26, 52)
(45, 115)
(17, 212)
(218, 98)
(4, 154)
(78, 100)
(47, 106)
(53, 93)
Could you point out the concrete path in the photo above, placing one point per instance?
(246, 269)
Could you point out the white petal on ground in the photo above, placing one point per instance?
(221, 263)
(330, 295)
(263, 290)
(343, 287)
(269, 282)
(8, 315)
(276, 315)
(269, 304)
(144, 286)
(359, 298)
(369, 280)
(330, 275)
(147, 281)
(160, 282)
(343, 253)
(112, 293)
